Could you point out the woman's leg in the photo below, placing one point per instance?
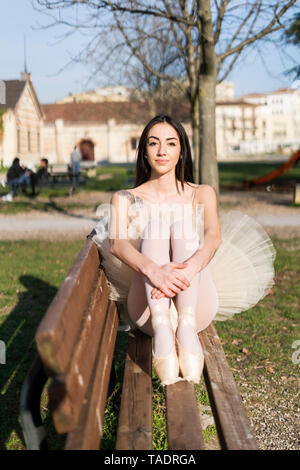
(154, 320)
(183, 247)
(200, 299)
(208, 302)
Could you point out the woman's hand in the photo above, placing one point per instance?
(189, 269)
(167, 279)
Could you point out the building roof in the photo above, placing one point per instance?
(281, 90)
(267, 93)
(121, 112)
(13, 91)
(236, 102)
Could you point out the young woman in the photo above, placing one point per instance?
(163, 257)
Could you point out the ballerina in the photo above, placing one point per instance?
(160, 253)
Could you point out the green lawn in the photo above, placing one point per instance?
(257, 343)
(234, 173)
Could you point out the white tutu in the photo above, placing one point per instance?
(242, 268)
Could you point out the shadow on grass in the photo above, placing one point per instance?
(111, 414)
(18, 332)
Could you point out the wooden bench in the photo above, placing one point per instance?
(61, 175)
(75, 342)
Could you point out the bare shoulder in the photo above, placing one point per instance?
(122, 194)
(204, 191)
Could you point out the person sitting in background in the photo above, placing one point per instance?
(41, 176)
(17, 176)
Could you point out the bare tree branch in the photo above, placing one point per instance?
(270, 28)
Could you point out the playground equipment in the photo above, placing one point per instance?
(247, 184)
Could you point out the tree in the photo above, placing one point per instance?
(205, 38)
(292, 36)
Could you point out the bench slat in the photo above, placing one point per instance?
(183, 419)
(74, 383)
(135, 417)
(58, 330)
(88, 433)
(230, 416)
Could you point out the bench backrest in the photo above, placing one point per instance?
(70, 335)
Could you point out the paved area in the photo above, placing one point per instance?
(273, 211)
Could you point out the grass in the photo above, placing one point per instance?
(30, 274)
(122, 177)
(234, 173)
(51, 199)
(257, 343)
(269, 349)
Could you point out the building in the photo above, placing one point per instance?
(106, 123)
(104, 131)
(22, 122)
(237, 121)
(117, 93)
(279, 116)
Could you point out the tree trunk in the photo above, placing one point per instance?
(208, 166)
(152, 105)
(196, 147)
(207, 101)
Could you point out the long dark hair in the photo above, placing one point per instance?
(184, 167)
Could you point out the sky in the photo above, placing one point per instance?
(48, 56)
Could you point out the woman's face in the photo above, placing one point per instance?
(162, 148)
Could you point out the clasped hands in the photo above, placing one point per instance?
(172, 278)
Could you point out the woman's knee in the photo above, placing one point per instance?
(184, 236)
(156, 229)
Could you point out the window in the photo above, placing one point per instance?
(28, 141)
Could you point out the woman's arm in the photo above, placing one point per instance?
(206, 195)
(119, 244)
(167, 276)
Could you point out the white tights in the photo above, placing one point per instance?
(196, 305)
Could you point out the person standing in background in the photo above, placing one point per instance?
(75, 159)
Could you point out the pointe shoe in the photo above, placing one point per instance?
(191, 365)
(166, 367)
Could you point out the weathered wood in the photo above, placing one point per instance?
(66, 406)
(229, 413)
(135, 417)
(58, 330)
(88, 433)
(183, 418)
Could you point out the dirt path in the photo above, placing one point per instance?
(272, 210)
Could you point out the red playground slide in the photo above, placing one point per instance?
(275, 173)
